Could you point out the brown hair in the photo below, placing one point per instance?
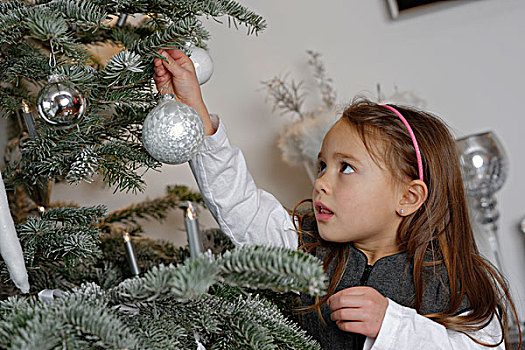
(439, 230)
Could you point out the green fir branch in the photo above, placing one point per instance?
(85, 14)
(248, 266)
(120, 177)
(11, 101)
(44, 240)
(132, 154)
(75, 216)
(11, 15)
(155, 209)
(157, 330)
(45, 25)
(122, 67)
(184, 282)
(188, 29)
(33, 65)
(275, 268)
(248, 322)
(83, 77)
(241, 15)
(125, 35)
(84, 166)
(79, 319)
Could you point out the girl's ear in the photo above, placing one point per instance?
(413, 196)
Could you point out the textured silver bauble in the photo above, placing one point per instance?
(172, 131)
(59, 103)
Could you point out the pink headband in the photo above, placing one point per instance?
(418, 153)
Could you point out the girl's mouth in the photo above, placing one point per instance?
(322, 213)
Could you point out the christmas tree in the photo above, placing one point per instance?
(82, 293)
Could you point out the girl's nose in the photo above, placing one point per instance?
(321, 184)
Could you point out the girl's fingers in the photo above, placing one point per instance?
(172, 65)
(349, 314)
(160, 71)
(161, 78)
(182, 59)
(354, 327)
(342, 301)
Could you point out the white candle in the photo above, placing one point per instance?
(10, 248)
(192, 229)
(29, 119)
(133, 264)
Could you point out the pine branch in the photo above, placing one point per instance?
(24, 62)
(158, 331)
(275, 268)
(251, 266)
(50, 26)
(129, 153)
(11, 14)
(121, 68)
(189, 280)
(80, 319)
(45, 240)
(83, 77)
(249, 322)
(121, 178)
(75, 216)
(184, 30)
(240, 14)
(156, 209)
(86, 15)
(84, 166)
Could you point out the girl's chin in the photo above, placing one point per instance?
(331, 238)
(326, 236)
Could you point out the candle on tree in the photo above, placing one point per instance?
(133, 264)
(192, 229)
(10, 248)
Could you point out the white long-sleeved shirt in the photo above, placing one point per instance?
(249, 215)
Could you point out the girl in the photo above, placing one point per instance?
(391, 224)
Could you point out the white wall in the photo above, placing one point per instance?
(466, 59)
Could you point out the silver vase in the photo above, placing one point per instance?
(484, 169)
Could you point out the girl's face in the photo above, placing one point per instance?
(354, 199)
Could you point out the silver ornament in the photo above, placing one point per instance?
(202, 62)
(172, 131)
(59, 103)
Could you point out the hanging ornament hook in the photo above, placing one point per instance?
(165, 89)
(52, 57)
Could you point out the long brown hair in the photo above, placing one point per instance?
(440, 229)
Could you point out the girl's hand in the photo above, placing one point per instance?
(177, 76)
(358, 310)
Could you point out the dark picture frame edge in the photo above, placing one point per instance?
(398, 7)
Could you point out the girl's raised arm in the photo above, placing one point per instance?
(246, 214)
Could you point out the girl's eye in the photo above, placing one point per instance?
(321, 167)
(346, 168)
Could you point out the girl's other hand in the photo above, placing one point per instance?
(177, 76)
(358, 310)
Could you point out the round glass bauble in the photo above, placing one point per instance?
(202, 62)
(172, 131)
(484, 164)
(59, 103)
